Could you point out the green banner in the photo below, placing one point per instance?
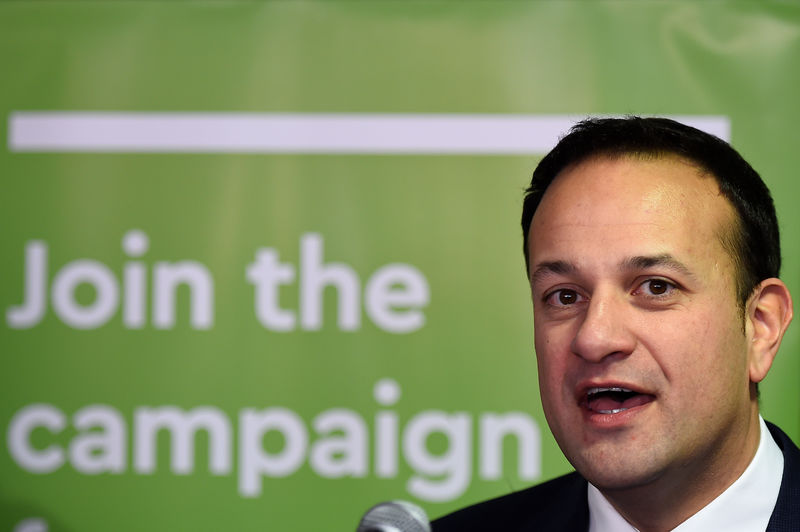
(261, 262)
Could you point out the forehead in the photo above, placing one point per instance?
(654, 205)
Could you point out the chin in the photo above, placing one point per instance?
(614, 474)
(618, 482)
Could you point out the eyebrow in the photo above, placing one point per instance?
(639, 262)
(664, 260)
(556, 267)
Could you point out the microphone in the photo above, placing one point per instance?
(394, 516)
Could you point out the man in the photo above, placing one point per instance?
(653, 254)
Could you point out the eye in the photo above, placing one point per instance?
(657, 287)
(563, 297)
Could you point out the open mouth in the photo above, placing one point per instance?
(614, 400)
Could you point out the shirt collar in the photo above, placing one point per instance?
(745, 506)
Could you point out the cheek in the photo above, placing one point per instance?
(553, 335)
(548, 357)
(703, 353)
(554, 339)
(552, 360)
(731, 361)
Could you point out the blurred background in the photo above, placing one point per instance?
(261, 261)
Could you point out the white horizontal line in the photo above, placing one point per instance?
(325, 133)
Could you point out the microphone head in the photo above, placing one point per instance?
(394, 516)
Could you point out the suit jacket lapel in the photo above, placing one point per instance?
(786, 516)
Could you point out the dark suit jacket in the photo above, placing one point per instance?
(561, 505)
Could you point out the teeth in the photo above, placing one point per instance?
(614, 389)
(593, 391)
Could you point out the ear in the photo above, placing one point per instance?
(769, 312)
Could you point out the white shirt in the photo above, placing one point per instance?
(746, 506)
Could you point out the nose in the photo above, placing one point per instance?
(605, 330)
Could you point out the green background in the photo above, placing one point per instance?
(455, 218)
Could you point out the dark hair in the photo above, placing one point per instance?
(753, 242)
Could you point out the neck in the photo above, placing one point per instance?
(665, 502)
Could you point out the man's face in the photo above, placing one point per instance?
(641, 347)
